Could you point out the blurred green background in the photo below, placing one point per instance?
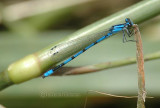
(30, 25)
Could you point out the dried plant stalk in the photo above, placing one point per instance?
(140, 63)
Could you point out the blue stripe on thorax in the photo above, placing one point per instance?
(117, 30)
(118, 26)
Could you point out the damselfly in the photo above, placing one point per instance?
(125, 28)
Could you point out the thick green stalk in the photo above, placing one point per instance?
(35, 64)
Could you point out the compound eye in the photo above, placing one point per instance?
(126, 19)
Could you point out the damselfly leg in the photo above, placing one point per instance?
(129, 33)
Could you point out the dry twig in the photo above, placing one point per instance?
(140, 63)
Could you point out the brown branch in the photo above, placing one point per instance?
(103, 66)
(140, 63)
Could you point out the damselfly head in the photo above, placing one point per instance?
(129, 22)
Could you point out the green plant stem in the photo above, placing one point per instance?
(35, 64)
(104, 66)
